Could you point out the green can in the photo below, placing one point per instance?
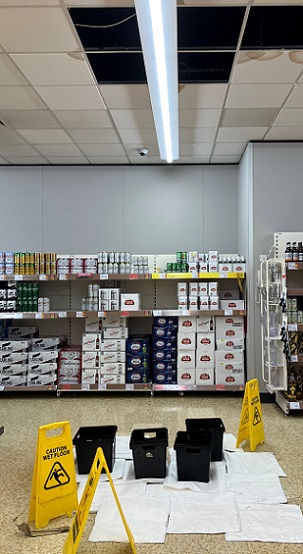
(179, 256)
(184, 267)
(178, 269)
(169, 267)
(174, 267)
(184, 256)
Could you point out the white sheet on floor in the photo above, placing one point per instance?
(157, 490)
(275, 523)
(216, 482)
(104, 490)
(129, 474)
(253, 463)
(229, 443)
(259, 489)
(146, 517)
(203, 513)
(117, 473)
(122, 448)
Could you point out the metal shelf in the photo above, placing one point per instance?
(144, 387)
(295, 291)
(197, 388)
(25, 388)
(288, 406)
(120, 276)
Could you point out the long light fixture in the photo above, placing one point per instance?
(157, 20)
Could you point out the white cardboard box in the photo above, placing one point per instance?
(205, 323)
(13, 369)
(91, 359)
(93, 324)
(230, 294)
(230, 327)
(111, 379)
(13, 357)
(205, 376)
(204, 302)
(40, 369)
(230, 344)
(113, 357)
(186, 376)
(182, 289)
(222, 367)
(212, 288)
(113, 368)
(13, 345)
(186, 358)
(47, 379)
(205, 359)
(13, 380)
(113, 345)
(239, 267)
(115, 333)
(43, 357)
(113, 320)
(214, 303)
(186, 341)
(130, 302)
(91, 341)
(232, 304)
(203, 288)
(193, 289)
(193, 303)
(89, 376)
(229, 356)
(206, 341)
(187, 324)
(230, 378)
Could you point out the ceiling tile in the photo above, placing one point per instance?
(54, 69)
(37, 29)
(229, 148)
(239, 134)
(265, 70)
(3, 161)
(45, 136)
(285, 133)
(134, 160)
(8, 136)
(194, 149)
(199, 118)
(216, 3)
(108, 160)
(91, 136)
(192, 160)
(19, 98)
(197, 134)
(58, 150)
(138, 136)
(27, 160)
(100, 3)
(126, 97)
(253, 117)
(67, 160)
(289, 117)
(84, 119)
(225, 159)
(9, 74)
(102, 149)
(127, 119)
(22, 3)
(202, 96)
(295, 99)
(257, 96)
(72, 98)
(29, 119)
(7, 150)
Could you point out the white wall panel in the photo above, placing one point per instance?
(21, 209)
(82, 210)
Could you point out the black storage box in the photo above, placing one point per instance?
(149, 452)
(88, 439)
(193, 451)
(215, 425)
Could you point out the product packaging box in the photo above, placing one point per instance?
(113, 369)
(164, 377)
(239, 267)
(104, 294)
(89, 376)
(205, 376)
(171, 322)
(115, 333)
(163, 332)
(165, 355)
(130, 301)
(186, 341)
(70, 358)
(24, 332)
(112, 345)
(205, 359)
(206, 341)
(7, 357)
(14, 345)
(91, 359)
(230, 344)
(164, 366)
(187, 324)
(230, 378)
(182, 302)
(225, 268)
(113, 357)
(48, 379)
(232, 304)
(230, 327)
(43, 357)
(205, 323)
(214, 303)
(186, 359)
(182, 289)
(193, 289)
(112, 379)
(203, 267)
(13, 369)
(49, 343)
(137, 361)
(230, 294)
(213, 289)
(213, 267)
(91, 341)
(229, 366)
(138, 345)
(164, 344)
(204, 302)
(193, 303)
(229, 356)
(203, 288)
(186, 376)
(93, 325)
(113, 320)
(13, 380)
(40, 369)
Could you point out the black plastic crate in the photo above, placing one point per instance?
(149, 452)
(193, 451)
(215, 425)
(88, 439)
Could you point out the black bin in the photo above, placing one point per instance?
(216, 426)
(149, 452)
(88, 439)
(193, 451)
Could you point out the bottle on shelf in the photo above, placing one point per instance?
(300, 252)
(288, 252)
(295, 254)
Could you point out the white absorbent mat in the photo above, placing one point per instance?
(229, 443)
(122, 448)
(216, 482)
(129, 474)
(117, 473)
(104, 490)
(146, 517)
(193, 512)
(260, 489)
(275, 523)
(253, 463)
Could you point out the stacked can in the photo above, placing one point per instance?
(43, 304)
(63, 266)
(114, 262)
(27, 297)
(140, 265)
(90, 302)
(6, 263)
(8, 297)
(180, 265)
(76, 265)
(90, 265)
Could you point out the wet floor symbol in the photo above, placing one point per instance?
(257, 417)
(57, 477)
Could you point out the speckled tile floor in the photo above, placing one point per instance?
(22, 415)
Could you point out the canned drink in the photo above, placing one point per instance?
(105, 268)
(144, 260)
(122, 257)
(9, 257)
(40, 304)
(184, 267)
(9, 269)
(116, 257)
(300, 316)
(146, 270)
(114, 305)
(122, 267)
(53, 257)
(135, 260)
(115, 267)
(294, 304)
(140, 269)
(179, 256)
(110, 267)
(90, 304)
(127, 258)
(95, 304)
(139, 260)
(96, 290)
(104, 257)
(32, 257)
(127, 267)
(83, 304)
(135, 269)
(111, 257)
(46, 304)
(47, 257)
(90, 291)
(169, 267)
(103, 305)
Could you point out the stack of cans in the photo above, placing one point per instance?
(6, 263)
(27, 297)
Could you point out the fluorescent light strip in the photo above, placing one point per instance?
(158, 34)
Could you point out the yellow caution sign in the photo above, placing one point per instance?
(54, 487)
(80, 518)
(251, 422)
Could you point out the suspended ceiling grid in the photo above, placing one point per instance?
(73, 87)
